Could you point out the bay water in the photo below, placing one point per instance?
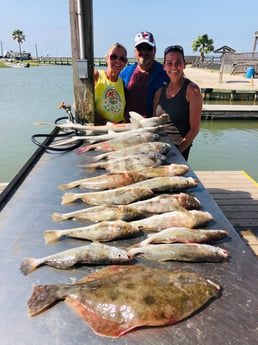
(29, 95)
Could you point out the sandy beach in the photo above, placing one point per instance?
(210, 79)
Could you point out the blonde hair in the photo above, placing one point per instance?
(117, 45)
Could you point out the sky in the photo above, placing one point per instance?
(46, 24)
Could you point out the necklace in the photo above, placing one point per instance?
(171, 92)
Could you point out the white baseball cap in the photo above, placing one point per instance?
(144, 37)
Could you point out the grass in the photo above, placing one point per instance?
(3, 65)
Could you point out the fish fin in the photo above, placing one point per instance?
(99, 325)
(28, 265)
(51, 236)
(68, 198)
(136, 116)
(42, 297)
(57, 217)
(135, 123)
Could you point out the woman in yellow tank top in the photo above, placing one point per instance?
(109, 87)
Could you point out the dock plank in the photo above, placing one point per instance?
(237, 196)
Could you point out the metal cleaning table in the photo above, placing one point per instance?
(231, 319)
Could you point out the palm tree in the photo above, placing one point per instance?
(203, 44)
(20, 38)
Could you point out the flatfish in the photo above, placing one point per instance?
(118, 299)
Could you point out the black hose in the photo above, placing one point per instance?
(53, 135)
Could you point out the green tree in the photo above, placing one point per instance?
(203, 44)
(20, 38)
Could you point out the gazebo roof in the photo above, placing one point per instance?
(224, 49)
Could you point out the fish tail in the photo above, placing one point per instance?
(28, 265)
(57, 217)
(68, 198)
(67, 186)
(51, 236)
(41, 298)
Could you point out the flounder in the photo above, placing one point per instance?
(118, 299)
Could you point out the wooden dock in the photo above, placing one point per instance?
(236, 193)
(228, 111)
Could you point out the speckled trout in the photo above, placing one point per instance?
(94, 253)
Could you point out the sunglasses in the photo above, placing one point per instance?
(172, 49)
(147, 47)
(115, 57)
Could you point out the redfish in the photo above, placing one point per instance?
(94, 253)
(118, 299)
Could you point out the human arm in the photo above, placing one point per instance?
(194, 97)
(156, 101)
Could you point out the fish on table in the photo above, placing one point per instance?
(118, 299)
(119, 179)
(120, 143)
(184, 235)
(107, 136)
(117, 196)
(99, 213)
(168, 183)
(105, 181)
(136, 118)
(165, 170)
(104, 231)
(190, 252)
(130, 163)
(155, 205)
(155, 146)
(94, 254)
(188, 219)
